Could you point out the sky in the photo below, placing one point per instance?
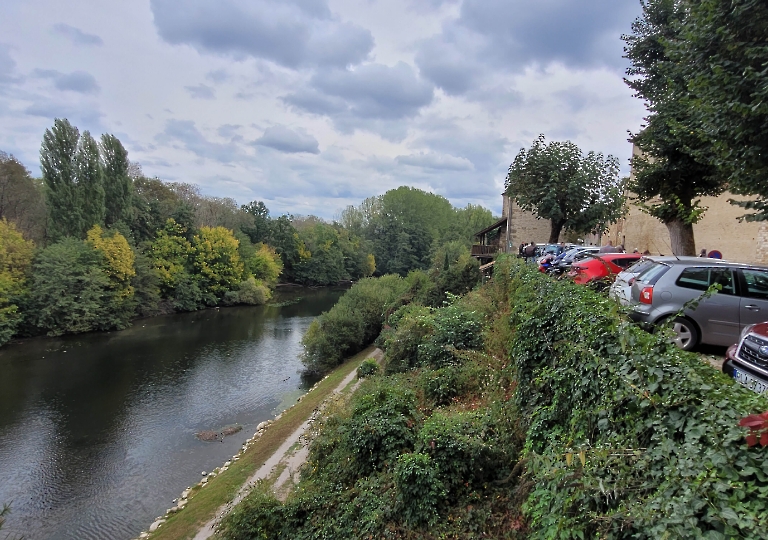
(313, 105)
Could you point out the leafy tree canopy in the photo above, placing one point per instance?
(722, 52)
(558, 182)
(15, 259)
(669, 170)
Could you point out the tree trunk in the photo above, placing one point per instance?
(681, 237)
(554, 231)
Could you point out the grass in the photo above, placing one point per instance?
(221, 489)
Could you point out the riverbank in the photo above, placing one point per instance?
(204, 502)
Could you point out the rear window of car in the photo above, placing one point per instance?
(640, 266)
(700, 278)
(652, 273)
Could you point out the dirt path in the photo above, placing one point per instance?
(291, 455)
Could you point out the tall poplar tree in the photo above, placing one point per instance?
(90, 183)
(118, 187)
(57, 162)
(668, 176)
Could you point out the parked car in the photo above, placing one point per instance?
(666, 289)
(747, 360)
(621, 290)
(576, 254)
(603, 266)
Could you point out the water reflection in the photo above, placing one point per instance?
(97, 431)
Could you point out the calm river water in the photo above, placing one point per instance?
(97, 432)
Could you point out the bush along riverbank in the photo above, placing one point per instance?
(528, 408)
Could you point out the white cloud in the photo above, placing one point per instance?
(287, 140)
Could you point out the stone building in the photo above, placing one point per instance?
(718, 230)
(516, 226)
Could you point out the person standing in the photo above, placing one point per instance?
(608, 248)
(530, 252)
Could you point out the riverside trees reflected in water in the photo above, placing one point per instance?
(97, 431)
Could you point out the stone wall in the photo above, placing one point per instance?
(719, 229)
(524, 226)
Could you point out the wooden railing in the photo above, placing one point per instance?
(478, 251)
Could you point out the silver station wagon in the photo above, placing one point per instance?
(665, 287)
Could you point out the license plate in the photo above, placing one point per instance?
(745, 379)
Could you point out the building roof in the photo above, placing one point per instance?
(496, 225)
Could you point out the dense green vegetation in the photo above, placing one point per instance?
(96, 243)
(699, 67)
(359, 316)
(500, 415)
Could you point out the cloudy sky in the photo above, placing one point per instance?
(311, 105)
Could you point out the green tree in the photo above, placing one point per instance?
(57, 162)
(146, 286)
(15, 259)
(258, 226)
(667, 170)
(68, 289)
(722, 51)
(118, 186)
(216, 261)
(285, 239)
(171, 255)
(90, 183)
(573, 191)
(325, 264)
(153, 203)
(468, 221)
(21, 198)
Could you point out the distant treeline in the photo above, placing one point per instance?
(95, 243)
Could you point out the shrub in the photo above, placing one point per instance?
(258, 516)
(464, 447)
(419, 489)
(455, 328)
(368, 368)
(350, 325)
(442, 385)
(411, 324)
(382, 426)
(253, 292)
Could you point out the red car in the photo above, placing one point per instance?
(601, 266)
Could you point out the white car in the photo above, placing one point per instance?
(621, 290)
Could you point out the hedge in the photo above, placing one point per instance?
(627, 436)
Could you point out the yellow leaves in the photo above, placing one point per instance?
(265, 264)
(216, 258)
(171, 253)
(117, 253)
(15, 255)
(118, 257)
(369, 267)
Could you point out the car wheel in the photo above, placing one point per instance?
(686, 334)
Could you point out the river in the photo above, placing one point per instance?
(97, 431)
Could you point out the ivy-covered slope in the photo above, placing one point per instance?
(528, 408)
